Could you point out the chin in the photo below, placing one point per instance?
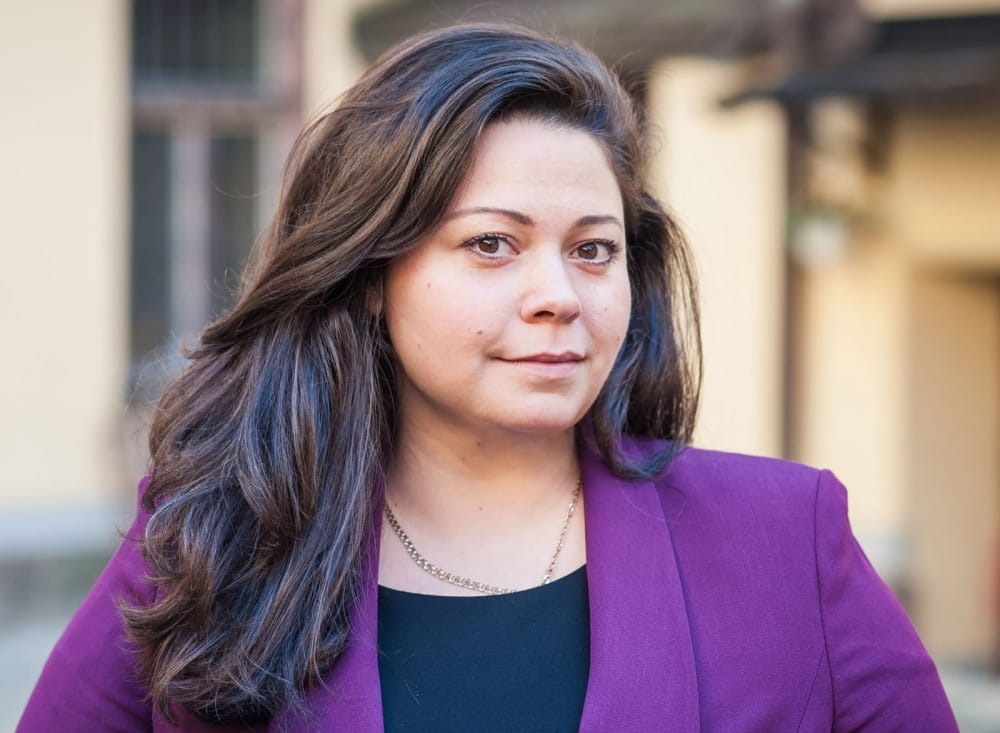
(548, 422)
(543, 429)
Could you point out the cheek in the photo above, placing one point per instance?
(615, 314)
(428, 312)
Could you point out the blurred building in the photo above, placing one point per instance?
(837, 169)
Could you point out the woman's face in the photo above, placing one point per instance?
(510, 314)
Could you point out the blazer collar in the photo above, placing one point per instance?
(642, 669)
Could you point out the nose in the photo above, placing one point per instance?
(549, 292)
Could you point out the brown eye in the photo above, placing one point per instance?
(493, 248)
(488, 245)
(596, 252)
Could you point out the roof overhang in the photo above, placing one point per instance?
(629, 34)
(921, 59)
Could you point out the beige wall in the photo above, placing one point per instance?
(944, 198)
(851, 368)
(954, 462)
(722, 173)
(330, 61)
(63, 298)
(849, 339)
(901, 8)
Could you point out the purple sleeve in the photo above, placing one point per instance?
(882, 677)
(89, 683)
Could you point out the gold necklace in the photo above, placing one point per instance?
(466, 583)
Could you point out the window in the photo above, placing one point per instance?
(215, 94)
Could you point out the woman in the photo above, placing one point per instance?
(429, 473)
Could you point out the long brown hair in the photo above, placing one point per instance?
(268, 451)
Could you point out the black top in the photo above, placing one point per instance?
(512, 662)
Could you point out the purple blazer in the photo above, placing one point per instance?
(727, 595)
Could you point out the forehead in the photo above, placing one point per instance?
(529, 162)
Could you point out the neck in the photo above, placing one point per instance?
(489, 507)
(452, 472)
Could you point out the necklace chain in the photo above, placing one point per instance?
(474, 585)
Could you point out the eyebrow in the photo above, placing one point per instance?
(526, 220)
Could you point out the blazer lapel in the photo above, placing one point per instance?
(642, 669)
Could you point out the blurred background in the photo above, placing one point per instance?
(835, 163)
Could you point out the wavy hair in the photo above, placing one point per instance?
(268, 451)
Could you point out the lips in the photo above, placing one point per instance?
(548, 365)
(549, 358)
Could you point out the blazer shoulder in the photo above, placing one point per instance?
(733, 482)
(701, 467)
(712, 466)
